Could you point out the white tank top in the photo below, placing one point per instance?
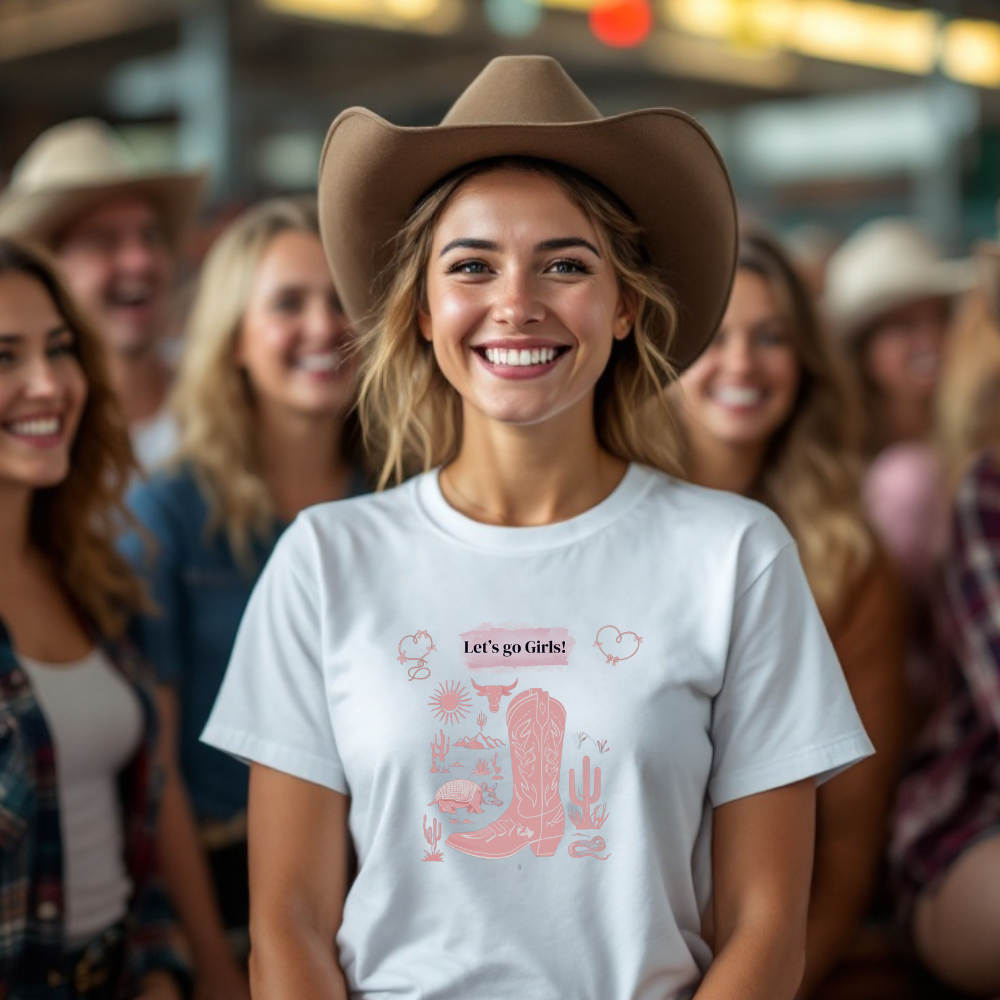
(95, 720)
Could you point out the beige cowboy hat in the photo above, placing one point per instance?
(76, 166)
(887, 264)
(660, 163)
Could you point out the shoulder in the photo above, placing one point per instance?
(713, 524)
(171, 494)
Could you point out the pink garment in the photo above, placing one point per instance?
(905, 499)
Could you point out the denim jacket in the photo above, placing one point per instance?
(32, 946)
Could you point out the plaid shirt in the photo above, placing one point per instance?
(950, 796)
(32, 951)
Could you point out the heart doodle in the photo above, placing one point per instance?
(610, 657)
(419, 671)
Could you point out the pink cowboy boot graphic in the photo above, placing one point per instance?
(534, 818)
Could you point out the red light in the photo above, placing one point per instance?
(622, 24)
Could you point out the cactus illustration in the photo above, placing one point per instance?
(432, 836)
(582, 818)
(481, 719)
(439, 751)
(482, 766)
(496, 766)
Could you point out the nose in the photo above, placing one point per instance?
(738, 354)
(320, 320)
(136, 254)
(42, 381)
(517, 304)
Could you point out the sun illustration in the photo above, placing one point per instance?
(451, 702)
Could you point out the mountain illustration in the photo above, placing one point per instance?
(478, 742)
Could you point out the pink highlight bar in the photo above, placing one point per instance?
(514, 648)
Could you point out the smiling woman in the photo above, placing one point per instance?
(78, 795)
(528, 276)
(262, 402)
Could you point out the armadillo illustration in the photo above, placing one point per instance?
(461, 793)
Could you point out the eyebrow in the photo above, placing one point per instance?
(14, 338)
(559, 243)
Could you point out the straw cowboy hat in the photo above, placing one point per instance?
(76, 166)
(887, 264)
(660, 163)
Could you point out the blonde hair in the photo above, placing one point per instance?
(968, 395)
(412, 417)
(212, 397)
(76, 523)
(812, 471)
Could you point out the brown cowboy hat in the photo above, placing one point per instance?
(74, 167)
(660, 163)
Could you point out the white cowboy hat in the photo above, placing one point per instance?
(76, 166)
(887, 264)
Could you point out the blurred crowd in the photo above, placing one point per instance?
(156, 440)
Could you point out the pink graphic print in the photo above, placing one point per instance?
(515, 646)
(419, 671)
(581, 816)
(495, 692)
(461, 793)
(588, 848)
(480, 741)
(536, 724)
(617, 638)
(432, 836)
(439, 751)
(496, 767)
(450, 702)
(482, 767)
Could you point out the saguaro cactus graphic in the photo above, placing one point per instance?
(481, 719)
(432, 836)
(582, 817)
(439, 751)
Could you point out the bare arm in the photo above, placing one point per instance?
(299, 863)
(853, 808)
(762, 851)
(186, 873)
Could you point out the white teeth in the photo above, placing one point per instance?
(522, 357)
(330, 362)
(41, 427)
(733, 396)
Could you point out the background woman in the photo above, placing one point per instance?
(262, 400)
(766, 413)
(945, 851)
(523, 321)
(82, 915)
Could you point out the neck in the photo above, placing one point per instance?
(15, 522)
(723, 466)
(521, 476)
(903, 420)
(301, 458)
(141, 382)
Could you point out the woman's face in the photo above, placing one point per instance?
(294, 340)
(903, 353)
(743, 388)
(523, 305)
(43, 388)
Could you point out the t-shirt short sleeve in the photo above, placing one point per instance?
(784, 712)
(272, 708)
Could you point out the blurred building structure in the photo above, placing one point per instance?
(828, 111)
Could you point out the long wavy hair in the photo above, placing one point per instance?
(967, 417)
(76, 523)
(412, 417)
(212, 397)
(812, 470)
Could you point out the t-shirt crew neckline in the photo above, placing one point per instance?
(515, 540)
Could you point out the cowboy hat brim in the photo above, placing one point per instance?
(942, 280)
(660, 163)
(45, 214)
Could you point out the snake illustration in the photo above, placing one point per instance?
(582, 848)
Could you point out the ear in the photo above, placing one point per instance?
(625, 315)
(424, 323)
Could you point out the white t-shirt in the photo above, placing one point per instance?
(155, 439)
(583, 693)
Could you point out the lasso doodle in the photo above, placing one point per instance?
(610, 657)
(591, 847)
(419, 671)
